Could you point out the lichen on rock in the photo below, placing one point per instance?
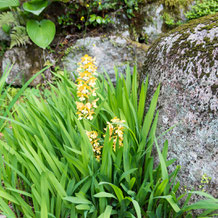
(185, 62)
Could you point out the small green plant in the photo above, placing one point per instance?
(95, 20)
(9, 96)
(88, 13)
(12, 24)
(169, 20)
(202, 8)
(24, 23)
(205, 180)
(176, 3)
(86, 151)
(92, 13)
(19, 36)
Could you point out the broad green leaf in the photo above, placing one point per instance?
(160, 189)
(207, 204)
(8, 3)
(6, 28)
(20, 192)
(92, 18)
(134, 88)
(128, 78)
(148, 119)
(158, 211)
(107, 212)
(41, 33)
(142, 99)
(204, 194)
(8, 197)
(77, 200)
(35, 7)
(6, 209)
(83, 207)
(137, 208)
(44, 196)
(117, 190)
(104, 195)
(106, 166)
(99, 20)
(162, 162)
(171, 201)
(128, 172)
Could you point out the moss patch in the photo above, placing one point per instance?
(209, 22)
(184, 53)
(176, 3)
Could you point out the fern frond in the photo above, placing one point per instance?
(19, 36)
(8, 18)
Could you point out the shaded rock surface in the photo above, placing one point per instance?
(26, 62)
(3, 36)
(148, 22)
(185, 62)
(153, 23)
(109, 52)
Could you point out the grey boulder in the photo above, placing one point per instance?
(109, 52)
(185, 62)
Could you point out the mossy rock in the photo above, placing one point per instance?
(185, 62)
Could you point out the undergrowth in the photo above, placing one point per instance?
(86, 151)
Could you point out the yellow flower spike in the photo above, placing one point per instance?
(93, 138)
(86, 87)
(116, 131)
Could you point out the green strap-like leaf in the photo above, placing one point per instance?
(117, 190)
(104, 195)
(169, 198)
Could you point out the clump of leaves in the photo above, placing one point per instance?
(202, 8)
(92, 13)
(19, 36)
(49, 168)
(9, 95)
(170, 21)
(22, 24)
(176, 3)
(10, 23)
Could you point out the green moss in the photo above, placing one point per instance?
(190, 49)
(185, 31)
(202, 8)
(214, 89)
(209, 22)
(176, 3)
(209, 27)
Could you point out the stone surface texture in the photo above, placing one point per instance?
(185, 62)
(148, 21)
(3, 36)
(153, 25)
(109, 52)
(26, 62)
